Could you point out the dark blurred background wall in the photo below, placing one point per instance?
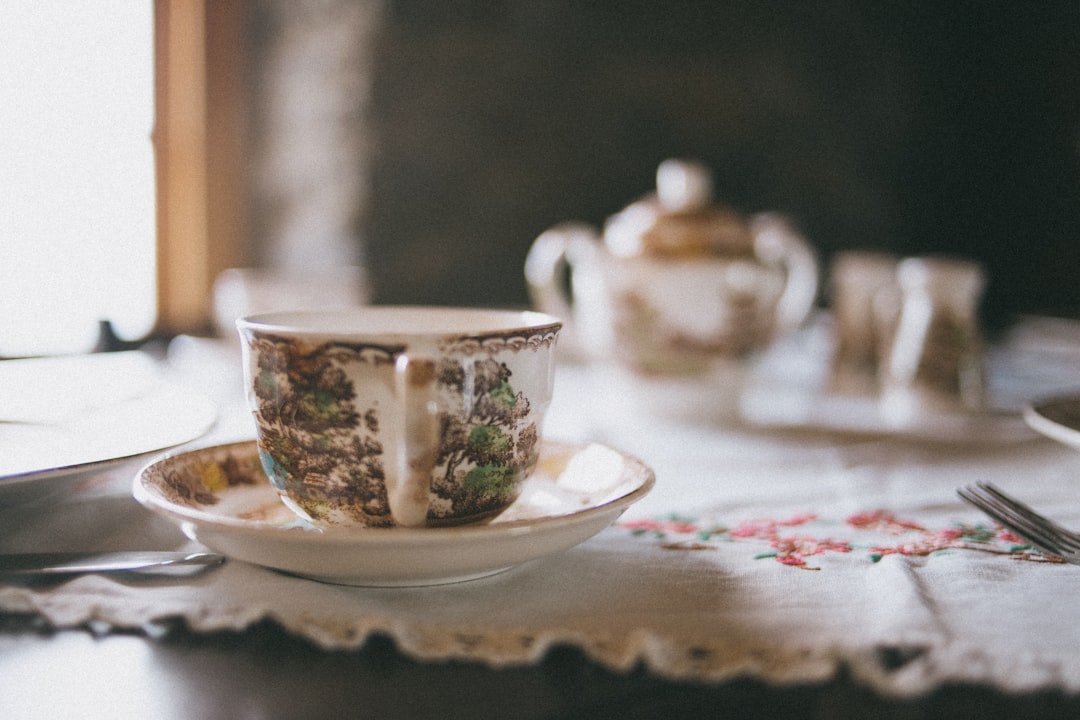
(472, 125)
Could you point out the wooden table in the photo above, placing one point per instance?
(264, 673)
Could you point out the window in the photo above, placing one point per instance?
(77, 198)
(122, 166)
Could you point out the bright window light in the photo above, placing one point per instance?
(77, 231)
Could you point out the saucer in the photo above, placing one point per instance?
(863, 415)
(65, 418)
(221, 498)
(1057, 418)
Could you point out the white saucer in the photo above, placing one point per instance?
(1057, 418)
(863, 415)
(65, 418)
(221, 498)
(792, 389)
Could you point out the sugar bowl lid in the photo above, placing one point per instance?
(679, 220)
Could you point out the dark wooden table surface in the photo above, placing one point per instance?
(172, 673)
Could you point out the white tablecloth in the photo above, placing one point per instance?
(783, 555)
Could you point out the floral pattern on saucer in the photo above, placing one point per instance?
(199, 484)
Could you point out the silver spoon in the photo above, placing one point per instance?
(74, 563)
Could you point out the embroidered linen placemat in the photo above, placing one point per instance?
(785, 556)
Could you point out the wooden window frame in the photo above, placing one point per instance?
(200, 120)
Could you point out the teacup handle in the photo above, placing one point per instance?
(777, 242)
(557, 251)
(408, 489)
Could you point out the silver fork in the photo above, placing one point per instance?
(1040, 531)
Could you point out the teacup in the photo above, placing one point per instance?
(399, 416)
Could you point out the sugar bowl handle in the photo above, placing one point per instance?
(777, 242)
(566, 250)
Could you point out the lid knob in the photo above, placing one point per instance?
(683, 185)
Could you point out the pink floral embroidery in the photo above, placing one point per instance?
(1009, 536)
(794, 548)
(765, 529)
(883, 521)
(671, 525)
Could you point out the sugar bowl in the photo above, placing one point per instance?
(677, 287)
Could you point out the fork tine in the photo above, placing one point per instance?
(1006, 513)
(1065, 537)
(1018, 524)
(1032, 536)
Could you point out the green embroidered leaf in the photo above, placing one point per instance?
(686, 519)
(978, 533)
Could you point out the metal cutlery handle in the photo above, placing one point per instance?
(73, 563)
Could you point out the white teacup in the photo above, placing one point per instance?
(399, 416)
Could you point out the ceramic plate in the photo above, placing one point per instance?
(1057, 418)
(64, 418)
(221, 498)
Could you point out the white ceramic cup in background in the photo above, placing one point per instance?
(239, 292)
(399, 416)
(864, 300)
(936, 362)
